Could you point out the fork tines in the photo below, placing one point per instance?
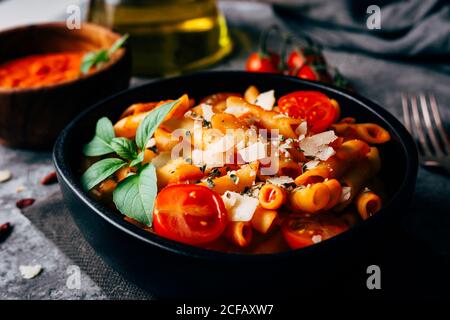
(423, 121)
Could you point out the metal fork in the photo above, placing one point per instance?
(427, 129)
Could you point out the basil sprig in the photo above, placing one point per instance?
(135, 195)
(97, 58)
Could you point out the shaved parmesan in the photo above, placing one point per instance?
(311, 164)
(316, 238)
(5, 175)
(281, 181)
(325, 153)
(151, 143)
(302, 130)
(240, 207)
(266, 100)
(207, 111)
(254, 152)
(208, 158)
(236, 110)
(30, 272)
(345, 194)
(317, 145)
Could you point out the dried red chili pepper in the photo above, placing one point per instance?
(49, 179)
(23, 203)
(5, 231)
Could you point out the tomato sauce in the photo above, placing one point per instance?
(41, 70)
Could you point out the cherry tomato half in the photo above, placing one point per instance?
(301, 231)
(189, 214)
(259, 62)
(312, 106)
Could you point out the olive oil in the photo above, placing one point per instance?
(167, 36)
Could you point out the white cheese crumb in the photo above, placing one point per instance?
(240, 207)
(281, 181)
(20, 189)
(311, 164)
(266, 100)
(325, 153)
(207, 111)
(345, 194)
(151, 143)
(317, 145)
(236, 110)
(5, 175)
(316, 238)
(302, 130)
(30, 272)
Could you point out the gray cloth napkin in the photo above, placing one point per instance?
(407, 28)
(52, 218)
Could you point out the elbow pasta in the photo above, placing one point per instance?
(318, 186)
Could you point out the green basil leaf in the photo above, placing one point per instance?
(105, 129)
(135, 196)
(151, 122)
(118, 44)
(99, 146)
(100, 171)
(92, 59)
(124, 147)
(138, 159)
(97, 58)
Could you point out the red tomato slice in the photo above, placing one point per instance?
(312, 106)
(301, 231)
(189, 213)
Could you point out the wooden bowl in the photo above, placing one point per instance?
(33, 117)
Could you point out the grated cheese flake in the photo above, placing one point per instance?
(266, 100)
(240, 207)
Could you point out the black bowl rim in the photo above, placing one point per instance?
(395, 126)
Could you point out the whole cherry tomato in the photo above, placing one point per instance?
(189, 213)
(312, 106)
(295, 60)
(301, 231)
(261, 62)
(308, 73)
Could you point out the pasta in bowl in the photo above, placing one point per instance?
(266, 267)
(245, 172)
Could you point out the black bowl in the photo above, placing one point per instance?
(170, 269)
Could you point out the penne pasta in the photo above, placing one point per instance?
(367, 203)
(271, 196)
(311, 199)
(335, 193)
(264, 220)
(239, 233)
(245, 177)
(251, 94)
(235, 176)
